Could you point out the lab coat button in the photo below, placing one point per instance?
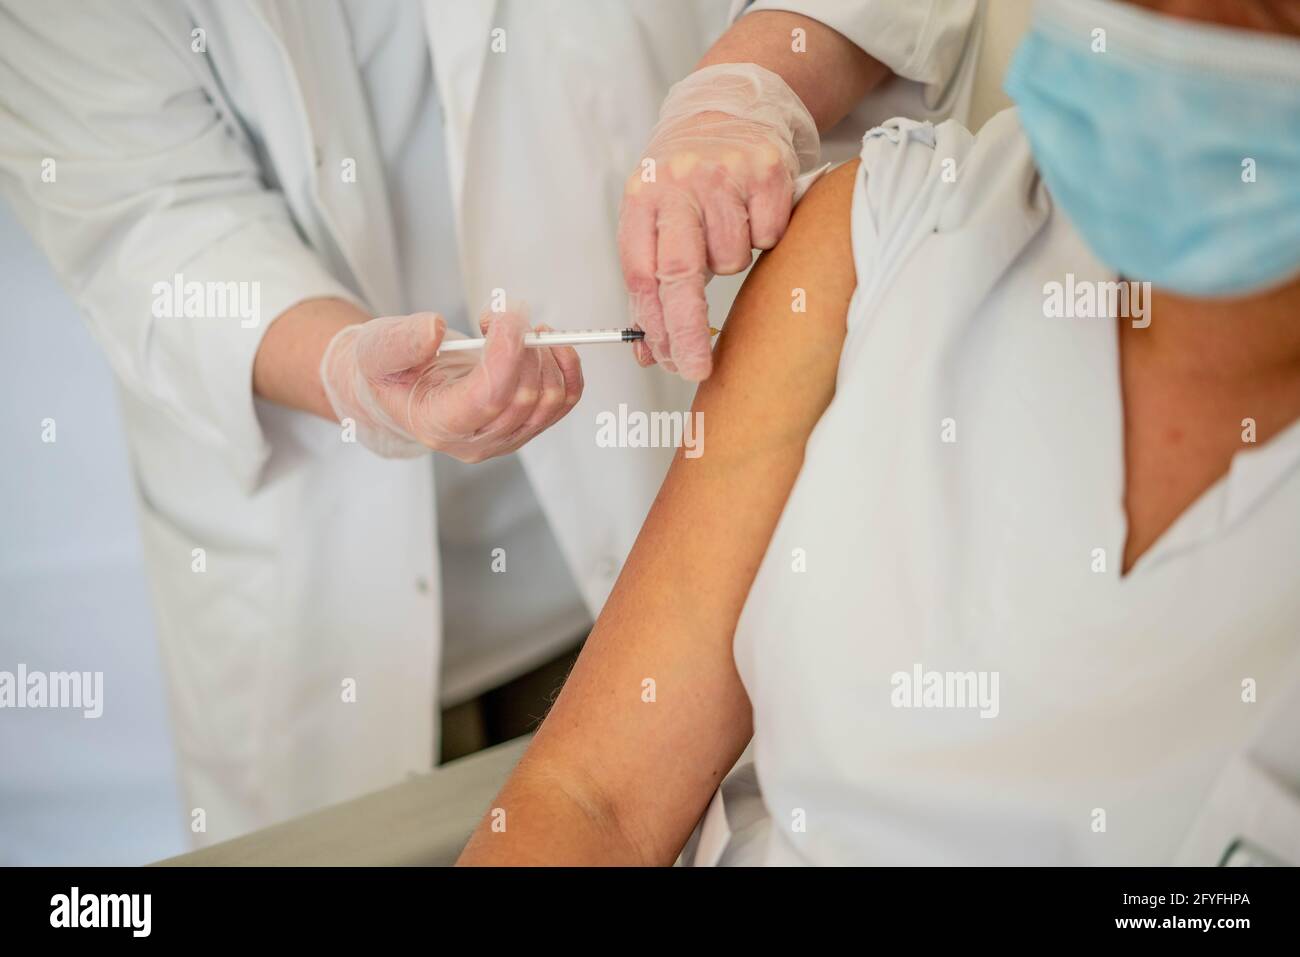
(422, 585)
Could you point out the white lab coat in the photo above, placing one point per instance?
(295, 575)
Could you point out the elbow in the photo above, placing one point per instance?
(557, 815)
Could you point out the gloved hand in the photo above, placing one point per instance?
(406, 399)
(729, 143)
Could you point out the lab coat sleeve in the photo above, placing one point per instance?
(115, 158)
(920, 40)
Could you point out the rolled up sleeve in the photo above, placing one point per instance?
(919, 40)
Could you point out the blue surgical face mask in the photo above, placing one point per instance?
(1173, 146)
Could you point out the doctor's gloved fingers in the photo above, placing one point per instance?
(492, 436)
(771, 202)
(561, 376)
(727, 232)
(637, 239)
(548, 408)
(523, 404)
(641, 352)
(683, 273)
(553, 403)
(687, 313)
(570, 366)
(357, 388)
(492, 384)
(393, 345)
(446, 411)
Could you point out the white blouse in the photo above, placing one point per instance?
(944, 661)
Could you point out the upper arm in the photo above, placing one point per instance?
(654, 764)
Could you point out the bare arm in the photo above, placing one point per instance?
(831, 77)
(611, 778)
(287, 366)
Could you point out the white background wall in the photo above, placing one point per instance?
(72, 595)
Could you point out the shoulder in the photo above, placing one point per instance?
(910, 166)
(916, 179)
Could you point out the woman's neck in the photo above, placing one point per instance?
(1236, 340)
(1202, 382)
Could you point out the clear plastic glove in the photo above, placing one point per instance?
(729, 143)
(386, 375)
